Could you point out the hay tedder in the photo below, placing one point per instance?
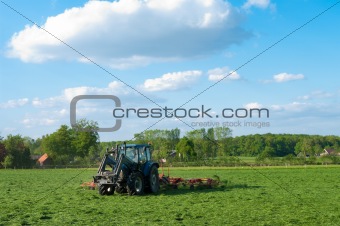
(200, 183)
(129, 169)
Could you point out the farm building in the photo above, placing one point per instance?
(326, 152)
(329, 151)
(44, 160)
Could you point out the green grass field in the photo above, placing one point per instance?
(260, 196)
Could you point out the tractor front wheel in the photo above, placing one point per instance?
(102, 190)
(110, 190)
(106, 190)
(135, 185)
(154, 179)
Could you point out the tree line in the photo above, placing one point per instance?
(218, 142)
(81, 145)
(65, 146)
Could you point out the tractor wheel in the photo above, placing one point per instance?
(110, 190)
(106, 190)
(154, 179)
(135, 185)
(102, 190)
(120, 189)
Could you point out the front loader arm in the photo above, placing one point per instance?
(123, 160)
(107, 160)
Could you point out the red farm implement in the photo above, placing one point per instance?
(200, 183)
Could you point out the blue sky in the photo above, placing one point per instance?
(170, 51)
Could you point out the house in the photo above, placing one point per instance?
(329, 151)
(44, 160)
(172, 153)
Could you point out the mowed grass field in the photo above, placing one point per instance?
(251, 196)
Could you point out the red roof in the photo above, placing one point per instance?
(43, 158)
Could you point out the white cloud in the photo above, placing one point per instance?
(10, 129)
(294, 106)
(319, 94)
(30, 122)
(113, 88)
(263, 4)
(55, 110)
(285, 77)
(47, 122)
(48, 102)
(253, 105)
(218, 74)
(318, 103)
(63, 112)
(46, 117)
(14, 103)
(171, 81)
(304, 97)
(132, 32)
(305, 117)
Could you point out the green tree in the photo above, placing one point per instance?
(173, 136)
(197, 137)
(59, 145)
(222, 132)
(298, 148)
(3, 152)
(289, 158)
(36, 147)
(85, 138)
(268, 152)
(211, 144)
(67, 144)
(163, 141)
(185, 148)
(221, 135)
(20, 153)
(307, 146)
(8, 161)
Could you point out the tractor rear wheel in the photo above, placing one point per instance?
(135, 184)
(154, 179)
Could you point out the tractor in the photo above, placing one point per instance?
(128, 169)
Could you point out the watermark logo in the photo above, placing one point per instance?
(202, 112)
(73, 110)
(231, 124)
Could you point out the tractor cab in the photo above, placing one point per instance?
(139, 154)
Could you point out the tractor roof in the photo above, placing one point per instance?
(136, 145)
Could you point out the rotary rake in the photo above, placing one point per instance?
(193, 183)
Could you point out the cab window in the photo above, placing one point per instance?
(148, 153)
(142, 155)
